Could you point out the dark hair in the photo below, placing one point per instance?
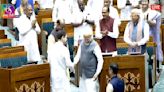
(144, 1)
(60, 34)
(114, 67)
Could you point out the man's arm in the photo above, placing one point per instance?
(126, 35)
(98, 54)
(146, 35)
(77, 57)
(98, 30)
(115, 32)
(109, 88)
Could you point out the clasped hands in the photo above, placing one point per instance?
(104, 33)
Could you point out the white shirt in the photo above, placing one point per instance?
(28, 36)
(143, 40)
(62, 10)
(114, 14)
(109, 88)
(79, 31)
(98, 54)
(59, 59)
(122, 3)
(152, 14)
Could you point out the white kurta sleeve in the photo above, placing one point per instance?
(115, 32)
(67, 58)
(126, 35)
(37, 29)
(77, 57)
(55, 12)
(98, 54)
(146, 35)
(97, 31)
(23, 24)
(121, 4)
(109, 88)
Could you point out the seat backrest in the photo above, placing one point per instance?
(13, 59)
(47, 25)
(2, 34)
(11, 49)
(5, 43)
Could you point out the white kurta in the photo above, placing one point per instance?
(114, 14)
(28, 36)
(144, 40)
(155, 16)
(59, 59)
(62, 10)
(91, 12)
(126, 10)
(79, 31)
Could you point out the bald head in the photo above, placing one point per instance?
(28, 10)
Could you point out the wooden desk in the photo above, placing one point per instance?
(133, 70)
(31, 78)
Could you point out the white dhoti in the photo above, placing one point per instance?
(88, 85)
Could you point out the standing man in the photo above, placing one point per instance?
(62, 10)
(90, 64)
(113, 11)
(59, 59)
(126, 6)
(108, 32)
(28, 29)
(136, 33)
(153, 18)
(115, 84)
(82, 24)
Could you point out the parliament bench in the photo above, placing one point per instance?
(13, 59)
(2, 34)
(132, 69)
(5, 43)
(11, 49)
(28, 78)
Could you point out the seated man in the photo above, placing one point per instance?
(115, 84)
(108, 32)
(136, 33)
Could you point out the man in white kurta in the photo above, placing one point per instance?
(28, 29)
(91, 13)
(62, 10)
(59, 59)
(153, 18)
(136, 33)
(126, 7)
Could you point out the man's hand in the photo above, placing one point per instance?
(33, 24)
(95, 77)
(133, 44)
(104, 33)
